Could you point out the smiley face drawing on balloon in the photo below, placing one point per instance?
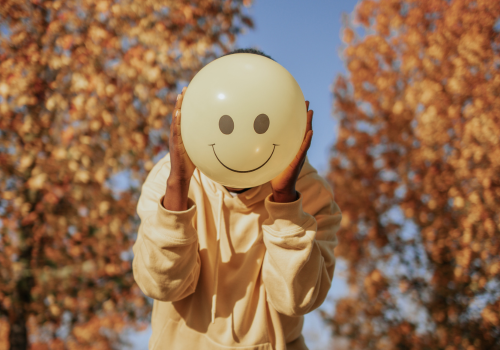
(226, 126)
(243, 120)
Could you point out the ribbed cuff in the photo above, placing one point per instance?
(286, 216)
(177, 224)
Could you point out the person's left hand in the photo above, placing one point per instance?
(283, 185)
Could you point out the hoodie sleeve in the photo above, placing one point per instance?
(299, 263)
(166, 263)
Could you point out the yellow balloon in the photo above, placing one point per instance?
(243, 120)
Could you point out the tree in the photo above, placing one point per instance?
(85, 91)
(417, 175)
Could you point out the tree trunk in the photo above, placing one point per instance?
(21, 298)
(18, 335)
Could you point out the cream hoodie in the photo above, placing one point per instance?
(234, 272)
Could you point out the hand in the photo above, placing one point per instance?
(283, 185)
(182, 168)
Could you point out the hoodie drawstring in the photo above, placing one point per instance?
(219, 222)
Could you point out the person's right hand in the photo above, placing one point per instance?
(182, 168)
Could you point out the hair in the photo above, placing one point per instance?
(249, 50)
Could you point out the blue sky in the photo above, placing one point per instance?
(305, 38)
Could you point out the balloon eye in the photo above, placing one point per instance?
(261, 123)
(226, 124)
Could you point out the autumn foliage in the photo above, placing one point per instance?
(86, 88)
(416, 173)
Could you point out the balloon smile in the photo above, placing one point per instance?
(243, 171)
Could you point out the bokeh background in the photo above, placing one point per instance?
(407, 128)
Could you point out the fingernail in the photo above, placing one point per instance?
(177, 113)
(178, 95)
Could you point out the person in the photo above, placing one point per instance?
(233, 268)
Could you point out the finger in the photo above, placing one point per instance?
(307, 105)
(301, 154)
(178, 105)
(178, 119)
(178, 102)
(301, 165)
(181, 96)
(305, 145)
(309, 140)
(310, 119)
(174, 115)
(171, 131)
(178, 139)
(177, 111)
(309, 123)
(174, 126)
